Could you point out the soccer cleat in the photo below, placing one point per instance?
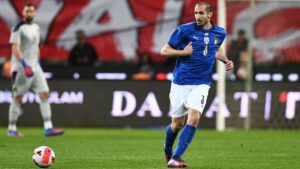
(13, 133)
(177, 164)
(54, 132)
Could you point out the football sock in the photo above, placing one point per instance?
(14, 113)
(170, 138)
(185, 139)
(48, 124)
(46, 113)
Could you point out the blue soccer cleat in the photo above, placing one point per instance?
(14, 133)
(54, 132)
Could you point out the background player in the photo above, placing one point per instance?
(27, 75)
(196, 45)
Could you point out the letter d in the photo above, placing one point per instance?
(117, 105)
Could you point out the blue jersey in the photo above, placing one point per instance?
(196, 68)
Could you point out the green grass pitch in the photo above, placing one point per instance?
(142, 149)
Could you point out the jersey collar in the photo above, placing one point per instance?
(212, 28)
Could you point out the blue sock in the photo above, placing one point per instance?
(185, 139)
(170, 138)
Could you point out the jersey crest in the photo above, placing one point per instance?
(206, 42)
(216, 40)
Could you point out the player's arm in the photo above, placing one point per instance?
(220, 55)
(38, 49)
(169, 51)
(15, 41)
(17, 52)
(39, 54)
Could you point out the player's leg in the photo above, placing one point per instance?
(185, 139)
(195, 102)
(14, 113)
(45, 109)
(171, 134)
(178, 95)
(187, 133)
(20, 85)
(41, 87)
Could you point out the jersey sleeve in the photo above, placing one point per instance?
(222, 38)
(15, 36)
(176, 38)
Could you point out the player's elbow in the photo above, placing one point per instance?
(15, 49)
(163, 51)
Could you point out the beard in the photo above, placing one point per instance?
(201, 23)
(28, 19)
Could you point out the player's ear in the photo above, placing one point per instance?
(209, 14)
(24, 11)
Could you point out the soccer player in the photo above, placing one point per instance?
(196, 46)
(27, 75)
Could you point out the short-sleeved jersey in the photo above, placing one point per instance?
(196, 68)
(28, 37)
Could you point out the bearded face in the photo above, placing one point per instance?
(28, 13)
(202, 17)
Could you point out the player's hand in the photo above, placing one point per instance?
(27, 69)
(229, 65)
(188, 49)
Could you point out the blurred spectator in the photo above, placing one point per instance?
(237, 46)
(242, 71)
(83, 53)
(279, 59)
(145, 67)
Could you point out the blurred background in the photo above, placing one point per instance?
(103, 66)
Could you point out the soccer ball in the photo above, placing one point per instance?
(43, 156)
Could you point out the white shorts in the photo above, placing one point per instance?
(22, 84)
(183, 97)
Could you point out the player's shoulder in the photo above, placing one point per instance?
(220, 30)
(36, 25)
(187, 26)
(18, 26)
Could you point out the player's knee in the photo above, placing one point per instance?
(177, 126)
(44, 96)
(194, 121)
(194, 118)
(18, 98)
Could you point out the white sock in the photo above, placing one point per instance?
(12, 127)
(48, 125)
(46, 113)
(14, 113)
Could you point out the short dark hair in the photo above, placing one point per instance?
(241, 32)
(80, 32)
(29, 4)
(209, 7)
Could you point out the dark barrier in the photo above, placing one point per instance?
(91, 103)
